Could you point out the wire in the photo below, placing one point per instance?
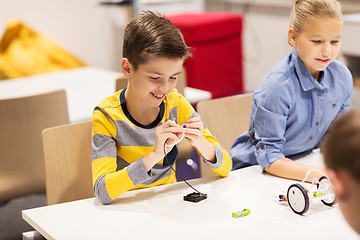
(181, 138)
(167, 161)
(273, 196)
(314, 180)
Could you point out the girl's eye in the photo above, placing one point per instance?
(173, 78)
(334, 42)
(316, 41)
(154, 78)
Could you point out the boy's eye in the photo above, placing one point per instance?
(334, 41)
(316, 41)
(173, 78)
(154, 78)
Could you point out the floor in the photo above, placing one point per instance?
(11, 223)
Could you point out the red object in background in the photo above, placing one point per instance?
(217, 62)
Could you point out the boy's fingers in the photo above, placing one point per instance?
(193, 131)
(172, 139)
(194, 119)
(176, 129)
(197, 125)
(170, 123)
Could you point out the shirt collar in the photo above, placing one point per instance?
(128, 115)
(307, 81)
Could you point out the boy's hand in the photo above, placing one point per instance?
(194, 130)
(168, 132)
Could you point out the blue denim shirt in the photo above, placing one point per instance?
(291, 111)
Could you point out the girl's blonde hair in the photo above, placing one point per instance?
(305, 9)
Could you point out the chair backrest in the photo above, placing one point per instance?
(226, 118)
(67, 155)
(181, 82)
(122, 81)
(21, 158)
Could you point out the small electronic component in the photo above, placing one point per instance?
(282, 198)
(195, 197)
(241, 213)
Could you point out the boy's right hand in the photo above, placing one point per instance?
(169, 133)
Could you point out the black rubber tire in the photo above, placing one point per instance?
(303, 194)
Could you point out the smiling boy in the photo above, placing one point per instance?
(137, 126)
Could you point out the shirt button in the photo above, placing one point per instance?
(262, 147)
(317, 123)
(310, 138)
(334, 105)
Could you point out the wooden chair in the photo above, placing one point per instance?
(185, 148)
(121, 83)
(226, 118)
(181, 82)
(67, 155)
(21, 122)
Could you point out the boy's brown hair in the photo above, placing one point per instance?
(151, 34)
(342, 146)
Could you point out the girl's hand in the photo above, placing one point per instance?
(194, 130)
(169, 133)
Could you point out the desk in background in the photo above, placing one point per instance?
(160, 213)
(85, 88)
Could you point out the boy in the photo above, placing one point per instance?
(136, 127)
(342, 158)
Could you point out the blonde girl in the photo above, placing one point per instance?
(295, 104)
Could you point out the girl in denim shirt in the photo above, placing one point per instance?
(295, 104)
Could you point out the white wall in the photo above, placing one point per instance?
(82, 27)
(171, 6)
(93, 33)
(90, 31)
(7, 9)
(264, 35)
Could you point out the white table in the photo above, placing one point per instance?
(160, 213)
(85, 88)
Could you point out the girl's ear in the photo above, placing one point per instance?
(292, 37)
(126, 67)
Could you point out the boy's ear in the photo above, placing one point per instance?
(340, 183)
(126, 67)
(292, 37)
